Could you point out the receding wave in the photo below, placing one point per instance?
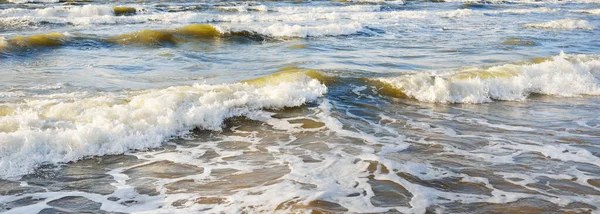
(562, 75)
(564, 24)
(52, 130)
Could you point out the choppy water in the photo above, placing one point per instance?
(300, 106)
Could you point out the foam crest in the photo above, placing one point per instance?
(562, 75)
(54, 130)
(564, 24)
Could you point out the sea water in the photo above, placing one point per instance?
(451, 106)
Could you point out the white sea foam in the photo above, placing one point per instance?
(55, 130)
(565, 24)
(562, 75)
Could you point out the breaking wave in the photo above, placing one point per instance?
(53, 130)
(562, 75)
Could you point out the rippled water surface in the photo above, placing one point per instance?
(300, 106)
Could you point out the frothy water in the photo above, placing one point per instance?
(300, 107)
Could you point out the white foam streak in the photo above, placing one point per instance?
(54, 130)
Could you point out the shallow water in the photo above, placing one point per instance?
(300, 106)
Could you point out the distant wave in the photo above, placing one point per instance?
(181, 34)
(108, 15)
